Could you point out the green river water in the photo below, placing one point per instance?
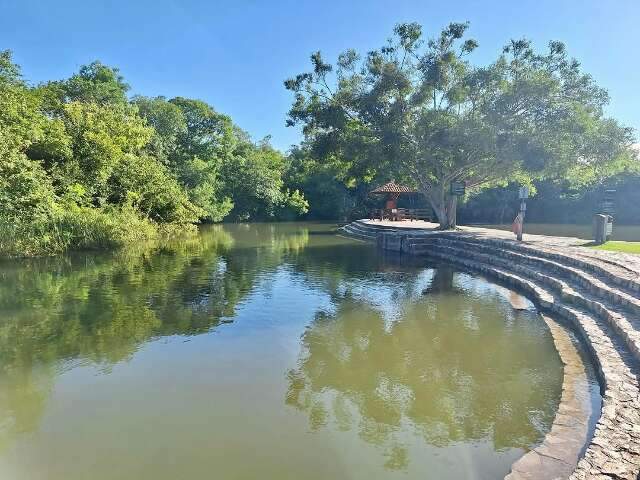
(266, 351)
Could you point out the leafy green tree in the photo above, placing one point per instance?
(94, 83)
(327, 185)
(151, 188)
(27, 205)
(168, 123)
(101, 136)
(254, 179)
(193, 140)
(224, 172)
(9, 71)
(21, 122)
(421, 111)
(27, 198)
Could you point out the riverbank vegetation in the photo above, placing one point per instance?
(86, 165)
(83, 166)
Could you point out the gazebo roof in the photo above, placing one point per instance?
(393, 187)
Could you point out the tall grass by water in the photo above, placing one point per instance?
(81, 228)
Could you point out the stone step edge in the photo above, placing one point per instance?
(579, 277)
(570, 427)
(602, 457)
(359, 228)
(615, 320)
(353, 233)
(631, 285)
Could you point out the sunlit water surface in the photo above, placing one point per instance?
(266, 351)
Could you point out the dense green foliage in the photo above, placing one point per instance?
(82, 166)
(421, 112)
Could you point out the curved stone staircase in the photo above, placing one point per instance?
(362, 231)
(599, 303)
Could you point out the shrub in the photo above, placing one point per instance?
(103, 228)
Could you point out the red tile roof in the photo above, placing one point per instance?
(393, 187)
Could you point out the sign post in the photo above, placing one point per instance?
(457, 189)
(523, 194)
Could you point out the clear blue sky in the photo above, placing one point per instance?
(236, 54)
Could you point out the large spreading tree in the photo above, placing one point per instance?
(421, 112)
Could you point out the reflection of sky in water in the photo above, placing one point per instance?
(387, 293)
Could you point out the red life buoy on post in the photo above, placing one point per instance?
(516, 227)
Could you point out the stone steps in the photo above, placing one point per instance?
(617, 308)
(618, 295)
(364, 231)
(353, 230)
(596, 297)
(614, 450)
(597, 267)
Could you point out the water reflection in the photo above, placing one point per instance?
(63, 311)
(397, 355)
(449, 369)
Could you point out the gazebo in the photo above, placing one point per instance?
(392, 191)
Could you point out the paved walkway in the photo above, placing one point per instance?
(624, 265)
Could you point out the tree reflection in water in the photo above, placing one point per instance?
(448, 362)
(452, 368)
(100, 308)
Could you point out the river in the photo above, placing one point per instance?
(272, 351)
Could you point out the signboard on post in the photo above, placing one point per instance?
(458, 188)
(523, 194)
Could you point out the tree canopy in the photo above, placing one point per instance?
(83, 166)
(420, 111)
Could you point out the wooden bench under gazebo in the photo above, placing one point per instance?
(392, 192)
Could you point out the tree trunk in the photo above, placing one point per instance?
(444, 206)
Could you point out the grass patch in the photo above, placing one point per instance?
(619, 246)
